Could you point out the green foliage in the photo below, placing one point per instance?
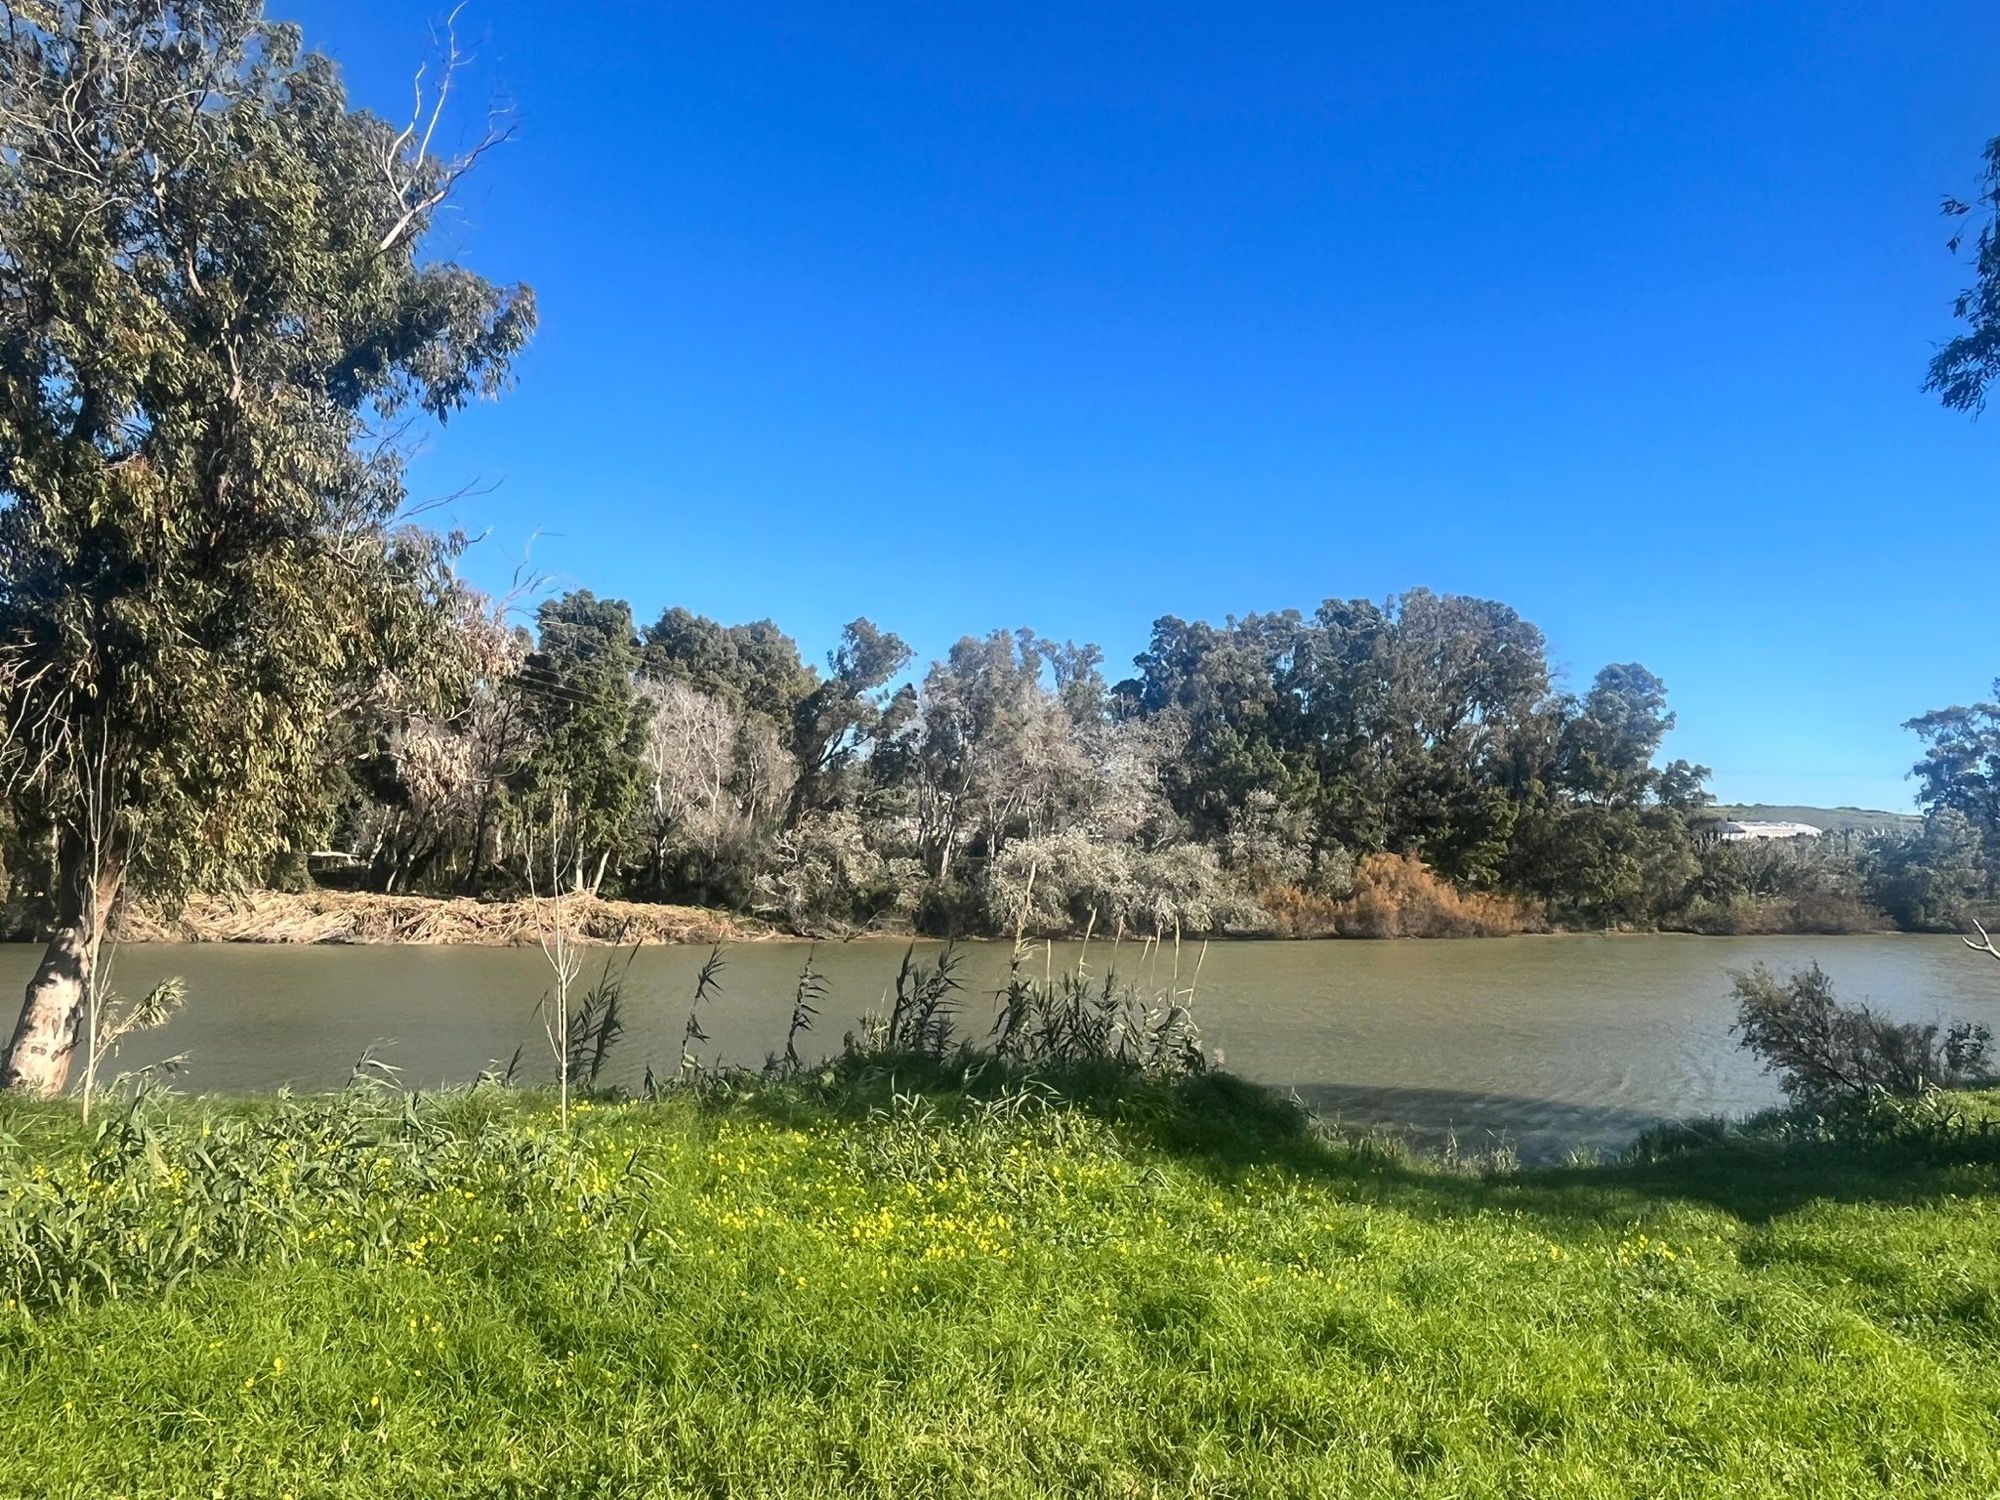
(1075, 1020)
(808, 995)
(598, 1023)
(1607, 745)
(1793, 885)
(212, 317)
(843, 714)
(1830, 1056)
(160, 1193)
(754, 666)
(1927, 881)
(922, 1019)
(579, 681)
(1960, 773)
(1964, 369)
(1008, 1291)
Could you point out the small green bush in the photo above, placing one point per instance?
(1833, 1056)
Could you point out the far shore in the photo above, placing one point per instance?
(369, 918)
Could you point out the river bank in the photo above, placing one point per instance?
(332, 916)
(1163, 1291)
(366, 917)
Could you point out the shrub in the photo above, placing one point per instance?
(1181, 888)
(1398, 895)
(949, 907)
(1925, 881)
(826, 875)
(1268, 841)
(1828, 1055)
(1758, 886)
(290, 871)
(1743, 915)
(1050, 886)
(1296, 912)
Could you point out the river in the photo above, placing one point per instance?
(1543, 1043)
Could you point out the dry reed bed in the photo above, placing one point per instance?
(365, 917)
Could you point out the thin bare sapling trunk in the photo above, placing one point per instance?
(555, 928)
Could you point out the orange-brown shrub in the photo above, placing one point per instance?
(1398, 895)
(1299, 913)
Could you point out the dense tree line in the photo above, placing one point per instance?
(1410, 765)
(1405, 766)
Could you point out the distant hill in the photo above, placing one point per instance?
(1831, 819)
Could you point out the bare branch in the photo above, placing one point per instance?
(408, 154)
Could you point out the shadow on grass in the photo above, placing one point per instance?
(1229, 1128)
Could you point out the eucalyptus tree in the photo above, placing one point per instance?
(1221, 690)
(1606, 746)
(217, 320)
(993, 750)
(1964, 369)
(590, 726)
(755, 666)
(1960, 772)
(715, 779)
(413, 779)
(843, 715)
(1603, 833)
(1416, 723)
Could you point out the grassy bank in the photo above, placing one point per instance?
(1163, 1289)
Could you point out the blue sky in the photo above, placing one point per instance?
(1073, 316)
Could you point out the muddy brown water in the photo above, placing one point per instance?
(1544, 1043)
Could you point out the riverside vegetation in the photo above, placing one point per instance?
(1070, 1260)
(225, 642)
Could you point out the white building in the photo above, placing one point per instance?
(1758, 829)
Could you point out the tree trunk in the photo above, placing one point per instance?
(45, 1038)
(470, 886)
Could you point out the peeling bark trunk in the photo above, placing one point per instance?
(45, 1038)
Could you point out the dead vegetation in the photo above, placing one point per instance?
(364, 917)
(1398, 895)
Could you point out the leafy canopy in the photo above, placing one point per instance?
(215, 327)
(1967, 365)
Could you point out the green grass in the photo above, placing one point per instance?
(1159, 1290)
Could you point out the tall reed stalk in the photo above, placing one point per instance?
(555, 930)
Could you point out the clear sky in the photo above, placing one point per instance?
(1075, 315)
